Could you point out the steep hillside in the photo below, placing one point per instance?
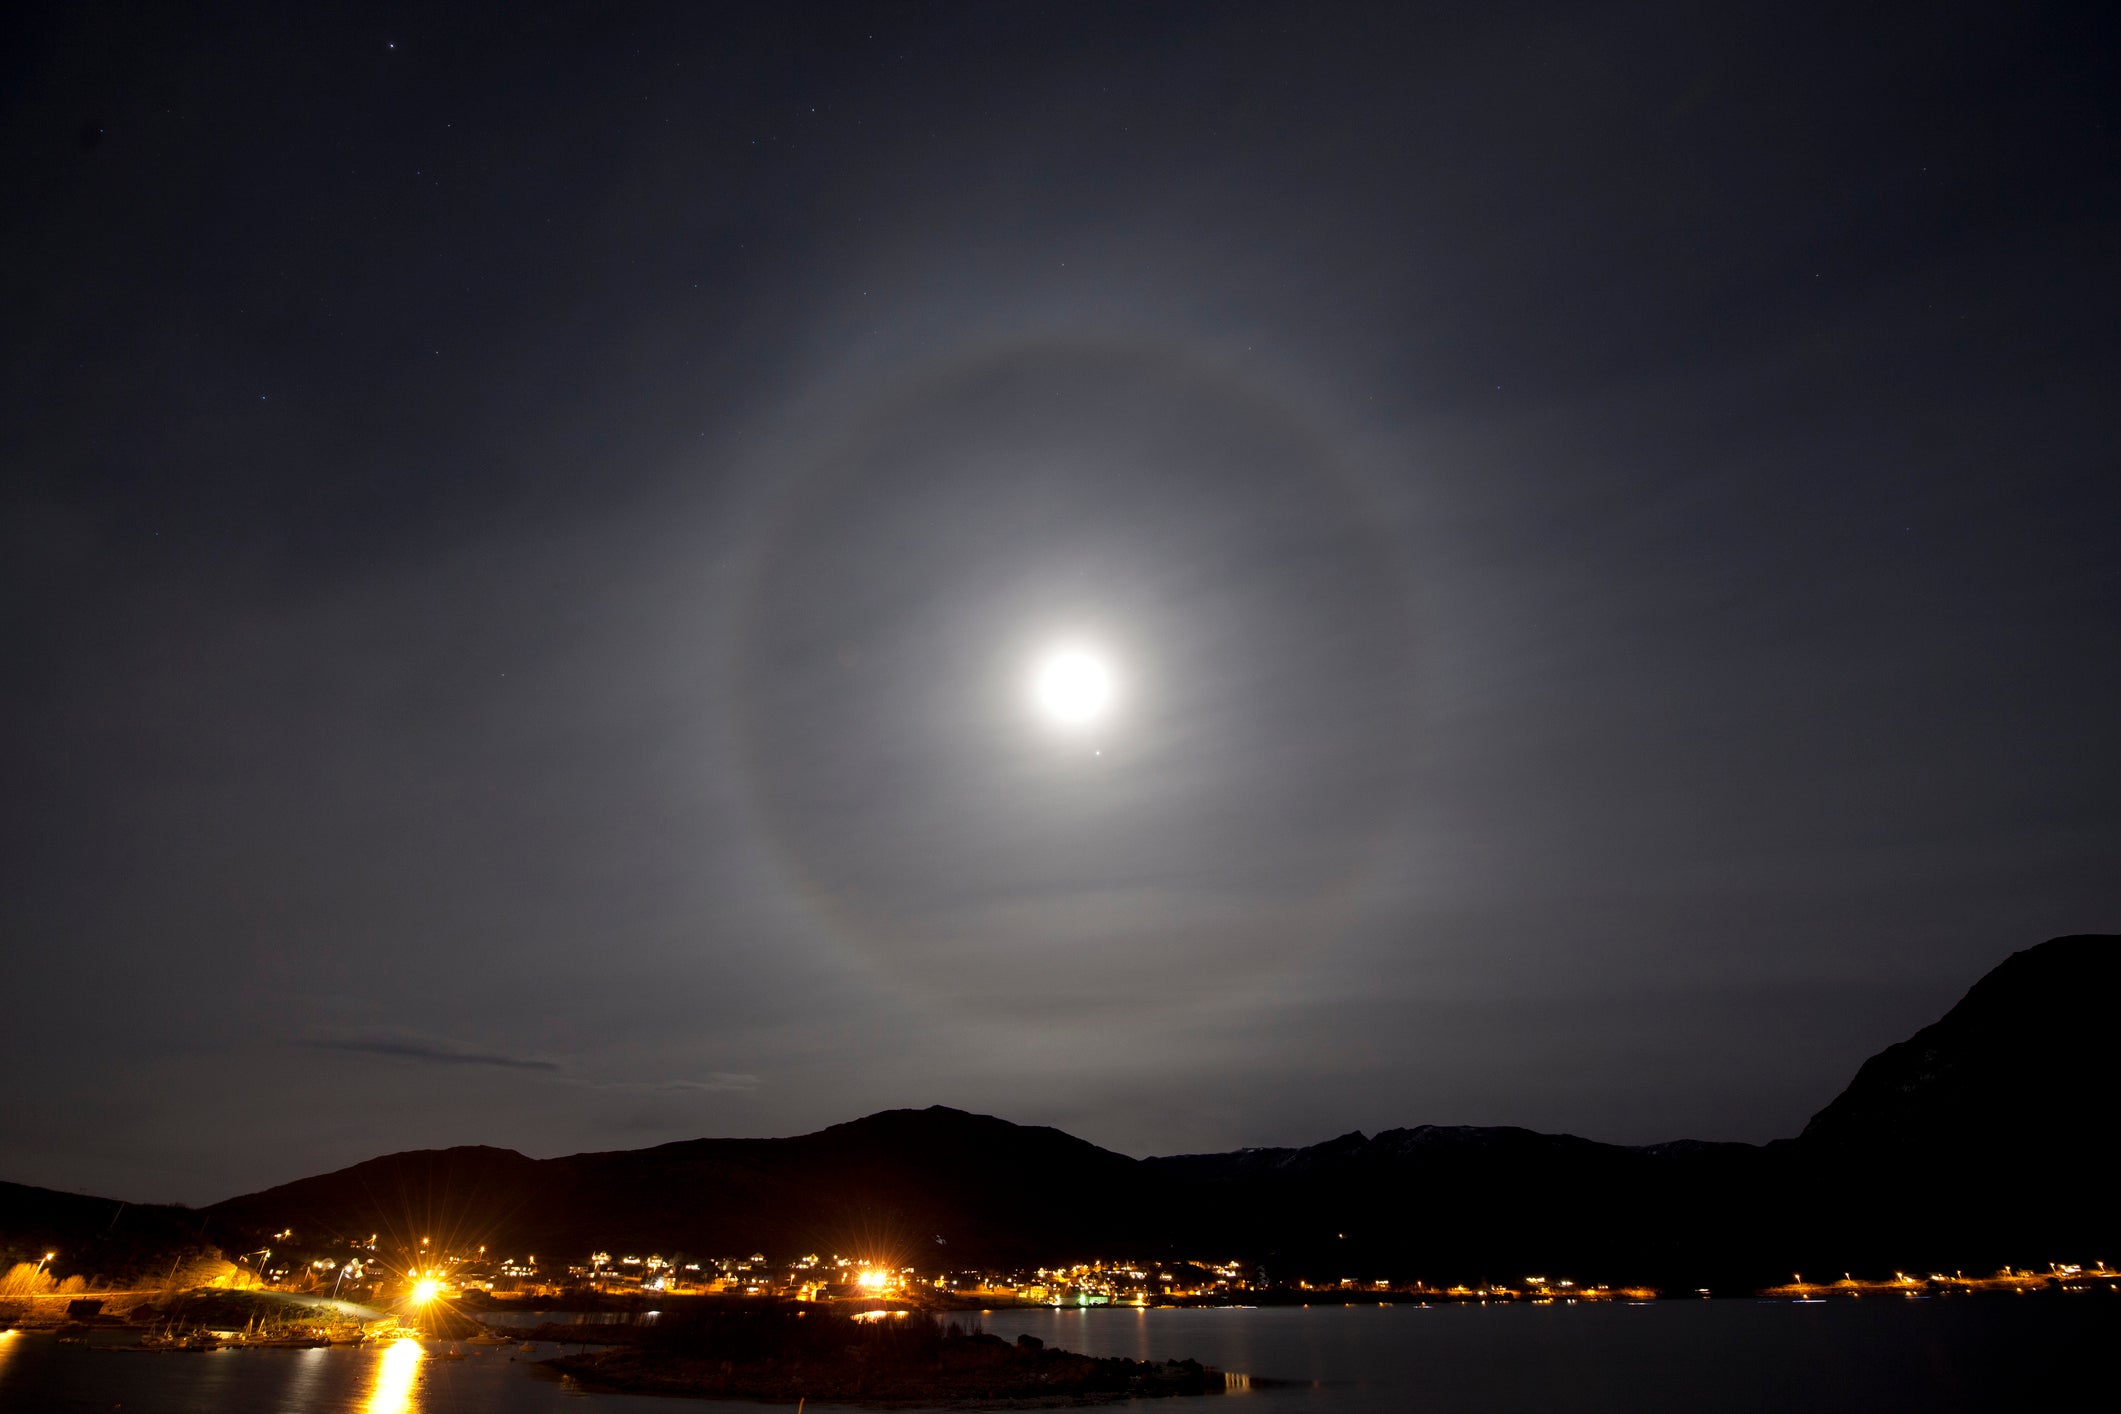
(2025, 1058)
(1987, 1136)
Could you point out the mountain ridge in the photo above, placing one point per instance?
(1922, 1157)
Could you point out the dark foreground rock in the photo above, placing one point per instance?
(899, 1362)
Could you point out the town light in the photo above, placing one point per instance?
(425, 1290)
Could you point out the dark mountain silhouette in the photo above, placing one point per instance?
(891, 1183)
(123, 1242)
(1466, 1203)
(1989, 1132)
(1986, 1138)
(2020, 1060)
(1983, 1139)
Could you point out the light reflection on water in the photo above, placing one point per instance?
(305, 1389)
(1856, 1357)
(397, 1377)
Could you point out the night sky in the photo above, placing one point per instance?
(526, 533)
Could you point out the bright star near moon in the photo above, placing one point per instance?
(1073, 687)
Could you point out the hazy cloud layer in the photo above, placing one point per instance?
(535, 535)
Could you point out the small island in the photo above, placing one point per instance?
(784, 1352)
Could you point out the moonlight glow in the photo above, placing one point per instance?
(1072, 687)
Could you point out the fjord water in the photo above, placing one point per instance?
(1725, 1355)
(1863, 1355)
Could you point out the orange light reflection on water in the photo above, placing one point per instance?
(397, 1374)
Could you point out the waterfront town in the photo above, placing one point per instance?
(632, 1315)
(374, 1273)
(476, 1276)
(413, 1275)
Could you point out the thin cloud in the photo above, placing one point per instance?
(440, 1050)
(715, 1082)
(432, 1051)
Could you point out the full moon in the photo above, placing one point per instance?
(1072, 687)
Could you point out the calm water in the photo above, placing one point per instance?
(1725, 1355)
